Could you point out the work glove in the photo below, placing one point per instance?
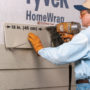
(35, 41)
(66, 37)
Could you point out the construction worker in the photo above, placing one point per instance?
(77, 50)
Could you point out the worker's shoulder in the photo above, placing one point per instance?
(86, 31)
(82, 36)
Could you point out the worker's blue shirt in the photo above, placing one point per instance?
(77, 50)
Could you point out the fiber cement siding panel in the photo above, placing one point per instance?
(52, 88)
(36, 78)
(23, 59)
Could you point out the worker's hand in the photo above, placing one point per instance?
(35, 41)
(66, 37)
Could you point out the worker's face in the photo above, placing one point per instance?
(85, 17)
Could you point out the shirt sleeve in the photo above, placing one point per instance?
(67, 52)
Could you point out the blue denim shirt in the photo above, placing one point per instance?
(77, 51)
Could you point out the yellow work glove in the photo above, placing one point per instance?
(66, 37)
(35, 41)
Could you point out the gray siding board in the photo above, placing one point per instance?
(53, 88)
(41, 78)
(23, 59)
(23, 69)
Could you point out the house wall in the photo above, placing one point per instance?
(21, 68)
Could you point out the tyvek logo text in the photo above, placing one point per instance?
(55, 3)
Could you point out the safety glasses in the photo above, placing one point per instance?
(82, 13)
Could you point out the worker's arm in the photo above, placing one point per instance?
(67, 52)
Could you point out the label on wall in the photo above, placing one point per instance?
(16, 35)
(37, 12)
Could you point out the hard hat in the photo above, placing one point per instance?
(84, 6)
